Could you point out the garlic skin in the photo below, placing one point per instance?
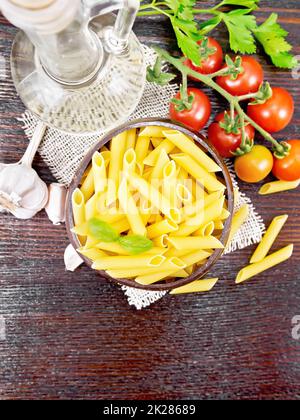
(56, 206)
(72, 258)
(22, 192)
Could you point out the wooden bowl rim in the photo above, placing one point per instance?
(202, 141)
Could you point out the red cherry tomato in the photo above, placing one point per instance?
(247, 82)
(255, 165)
(276, 113)
(288, 168)
(197, 117)
(224, 142)
(212, 63)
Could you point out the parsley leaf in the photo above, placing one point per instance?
(272, 37)
(240, 26)
(250, 4)
(187, 37)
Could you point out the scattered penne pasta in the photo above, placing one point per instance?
(268, 262)
(269, 238)
(197, 286)
(278, 186)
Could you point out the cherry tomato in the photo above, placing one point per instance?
(255, 165)
(197, 117)
(247, 82)
(212, 63)
(288, 168)
(224, 142)
(276, 113)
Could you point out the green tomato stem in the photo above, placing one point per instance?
(208, 80)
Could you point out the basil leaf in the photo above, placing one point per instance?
(135, 244)
(102, 231)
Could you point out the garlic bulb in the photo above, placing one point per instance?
(22, 192)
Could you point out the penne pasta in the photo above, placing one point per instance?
(196, 257)
(91, 207)
(183, 194)
(161, 228)
(269, 239)
(211, 213)
(238, 220)
(170, 182)
(118, 147)
(120, 262)
(172, 252)
(78, 207)
(130, 209)
(185, 144)
(225, 214)
(152, 131)
(129, 161)
(195, 242)
(87, 188)
(162, 161)
(122, 225)
(219, 225)
(206, 230)
(131, 139)
(198, 206)
(90, 243)
(197, 286)
(141, 151)
(201, 175)
(267, 263)
(155, 197)
(151, 278)
(152, 158)
(156, 141)
(99, 172)
(278, 186)
(93, 254)
(161, 241)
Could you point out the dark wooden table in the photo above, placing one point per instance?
(74, 336)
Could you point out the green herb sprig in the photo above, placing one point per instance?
(104, 232)
(244, 32)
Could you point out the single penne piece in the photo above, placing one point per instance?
(78, 206)
(117, 263)
(183, 194)
(166, 265)
(195, 242)
(151, 278)
(196, 257)
(238, 220)
(267, 263)
(161, 241)
(190, 269)
(185, 144)
(206, 230)
(160, 228)
(278, 186)
(122, 225)
(211, 213)
(198, 206)
(201, 175)
(91, 209)
(162, 161)
(141, 151)
(87, 188)
(130, 209)
(131, 139)
(236, 196)
(153, 195)
(172, 252)
(225, 214)
(152, 158)
(111, 218)
(99, 172)
(182, 174)
(129, 161)
(90, 243)
(269, 238)
(170, 182)
(118, 147)
(159, 218)
(219, 225)
(81, 230)
(93, 254)
(152, 131)
(116, 248)
(203, 285)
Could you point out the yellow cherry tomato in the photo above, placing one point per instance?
(255, 165)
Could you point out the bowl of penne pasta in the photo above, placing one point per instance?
(151, 206)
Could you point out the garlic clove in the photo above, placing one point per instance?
(55, 207)
(72, 258)
(37, 198)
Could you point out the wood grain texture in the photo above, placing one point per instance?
(72, 335)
